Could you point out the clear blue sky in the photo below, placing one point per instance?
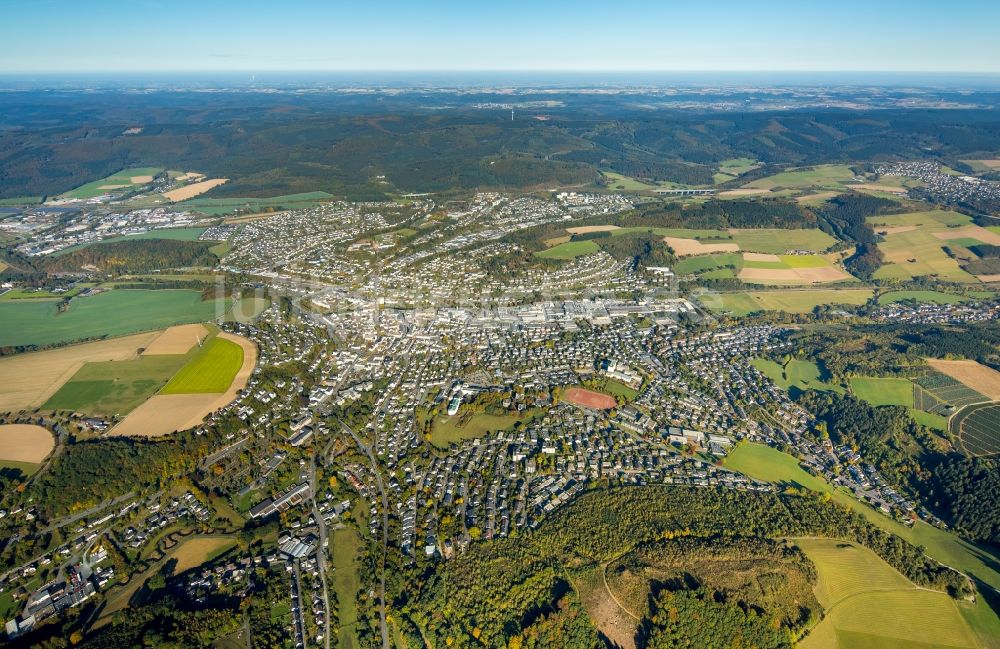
(256, 35)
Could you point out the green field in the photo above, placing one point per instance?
(801, 375)
(345, 545)
(734, 167)
(27, 468)
(883, 392)
(115, 387)
(777, 242)
(625, 183)
(18, 201)
(789, 261)
(91, 189)
(934, 297)
(930, 218)
(173, 234)
(768, 464)
(821, 176)
(211, 370)
(466, 425)
(569, 250)
(108, 314)
(222, 206)
(790, 301)
(868, 603)
(708, 263)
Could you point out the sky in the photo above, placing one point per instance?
(97, 36)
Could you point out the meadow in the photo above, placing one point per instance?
(173, 234)
(346, 545)
(211, 370)
(883, 392)
(223, 206)
(115, 387)
(801, 375)
(195, 551)
(868, 603)
(771, 465)
(467, 425)
(781, 241)
(820, 176)
(121, 180)
(933, 297)
(569, 250)
(790, 301)
(108, 314)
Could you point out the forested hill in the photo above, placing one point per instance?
(139, 256)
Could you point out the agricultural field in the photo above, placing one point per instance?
(569, 250)
(761, 268)
(978, 429)
(211, 369)
(820, 176)
(628, 184)
(24, 444)
(733, 168)
(193, 552)
(177, 340)
(941, 394)
(691, 247)
(791, 301)
(193, 189)
(913, 245)
(30, 379)
(108, 314)
(781, 241)
(124, 179)
(800, 375)
(931, 297)
(982, 166)
(771, 465)
(115, 387)
(883, 391)
(869, 604)
(172, 234)
(984, 380)
(223, 206)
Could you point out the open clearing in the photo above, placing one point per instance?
(689, 247)
(30, 379)
(587, 229)
(820, 176)
(108, 314)
(978, 429)
(165, 413)
(25, 443)
(801, 375)
(123, 179)
(194, 189)
(982, 379)
(589, 399)
(468, 425)
(771, 465)
(869, 604)
(211, 370)
(193, 552)
(792, 301)
(569, 250)
(176, 340)
(883, 392)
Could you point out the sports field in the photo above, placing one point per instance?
(569, 250)
(790, 301)
(211, 370)
(978, 429)
(883, 391)
(867, 603)
(768, 464)
(24, 443)
(589, 399)
(108, 314)
(171, 234)
(122, 180)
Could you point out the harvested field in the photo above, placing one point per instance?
(30, 379)
(176, 340)
(744, 192)
(140, 180)
(986, 279)
(112, 186)
(689, 247)
(982, 379)
(875, 187)
(760, 256)
(793, 275)
(194, 189)
(970, 232)
(166, 413)
(895, 229)
(590, 399)
(195, 551)
(587, 229)
(25, 443)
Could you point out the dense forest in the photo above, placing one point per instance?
(844, 217)
(134, 256)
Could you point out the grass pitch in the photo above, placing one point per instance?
(211, 370)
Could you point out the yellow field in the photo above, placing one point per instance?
(982, 379)
(194, 189)
(869, 604)
(176, 340)
(25, 443)
(166, 413)
(689, 247)
(195, 551)
(587, 229)
(29, 380)
(913, 245)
